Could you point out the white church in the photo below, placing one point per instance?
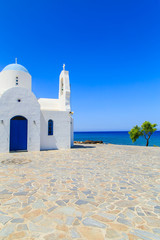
(28, 123)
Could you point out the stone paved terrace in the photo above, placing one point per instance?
(88, 192)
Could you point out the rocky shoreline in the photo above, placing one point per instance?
(88, 142)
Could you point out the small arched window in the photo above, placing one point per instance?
(50, 127)
(62, 86)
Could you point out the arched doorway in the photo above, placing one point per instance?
(18, 133)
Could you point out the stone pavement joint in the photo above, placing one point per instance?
(90, 192)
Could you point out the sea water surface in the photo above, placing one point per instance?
(120, 138)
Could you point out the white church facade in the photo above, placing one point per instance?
(28, 123)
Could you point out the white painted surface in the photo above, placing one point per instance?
(8, 80)
(49, 104)
(28, 108)
(61, 130)
(72, 132)
(37, 112)
(64, 91)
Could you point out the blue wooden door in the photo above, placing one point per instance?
(18, 133)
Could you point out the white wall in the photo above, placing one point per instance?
(49, 104)
(72, 132)
(61, 138)
(59, 111)
(28, 108)
(8, 80)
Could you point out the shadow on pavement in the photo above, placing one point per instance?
(82, 146)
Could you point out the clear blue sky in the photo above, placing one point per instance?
(111, 49)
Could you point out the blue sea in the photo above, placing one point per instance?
(120, 138)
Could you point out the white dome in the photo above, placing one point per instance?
(14, 75)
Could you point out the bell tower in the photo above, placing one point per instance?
(64, 90)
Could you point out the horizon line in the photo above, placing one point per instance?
(110, 131)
